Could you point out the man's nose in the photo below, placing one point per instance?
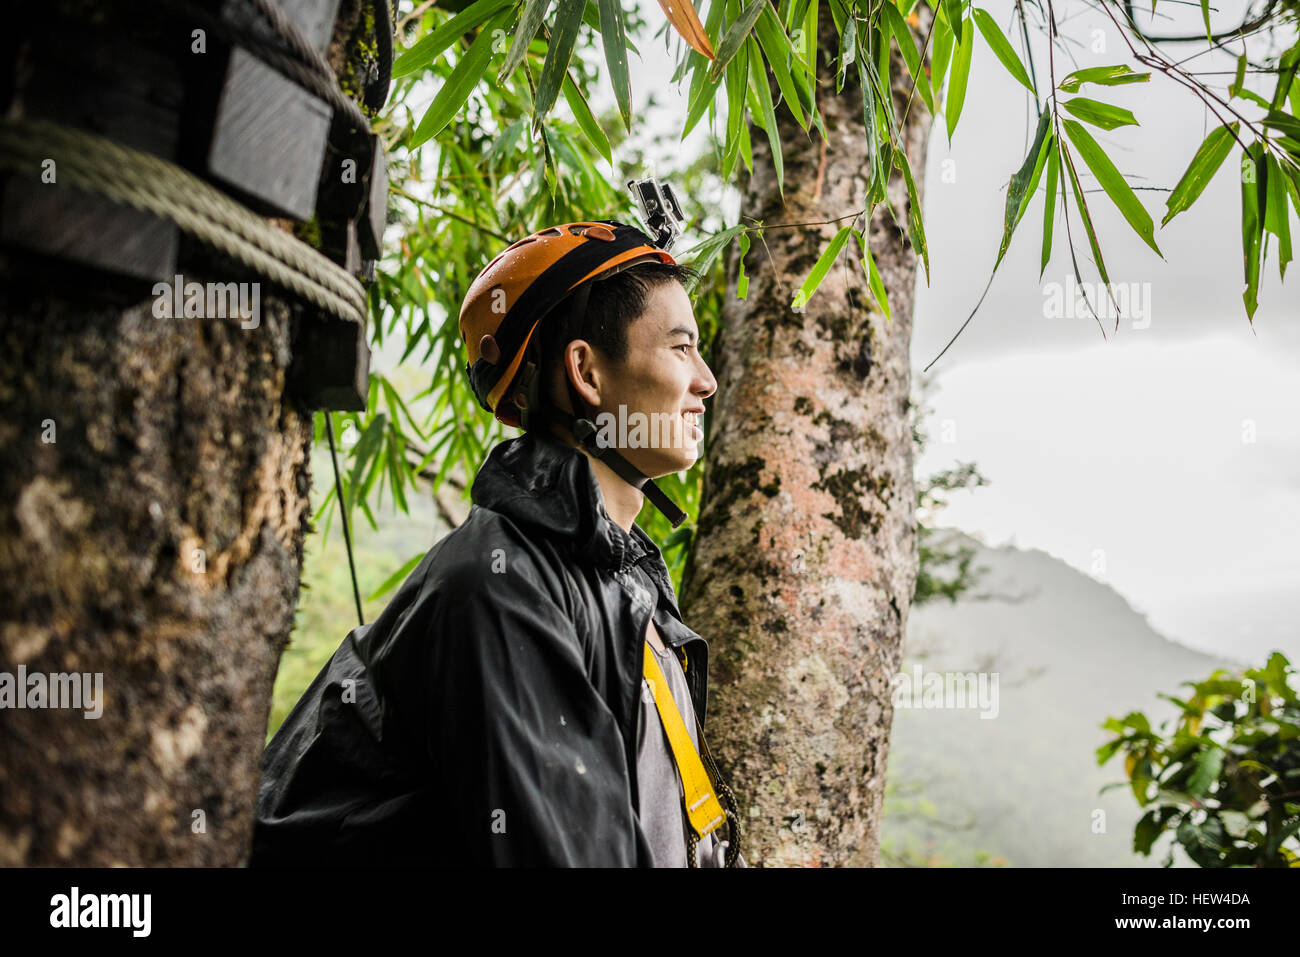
(707, 384)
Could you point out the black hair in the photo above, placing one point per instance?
(613, 305)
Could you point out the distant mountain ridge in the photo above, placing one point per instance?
(1069, 651)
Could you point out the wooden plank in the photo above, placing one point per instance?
(105, 84)
(339, 243)
(331, 365)
(345, 173)
(268, 139)
(87, 229)
(375, 215)
(313, 18)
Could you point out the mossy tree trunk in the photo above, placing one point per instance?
(806, 555)
(153, 507)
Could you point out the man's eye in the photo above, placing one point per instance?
(684, 345)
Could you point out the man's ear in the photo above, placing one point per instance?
(582, 367)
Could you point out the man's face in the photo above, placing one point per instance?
(654, 399)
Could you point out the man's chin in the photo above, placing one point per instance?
(667, 462)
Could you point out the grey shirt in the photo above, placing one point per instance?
(662, 809)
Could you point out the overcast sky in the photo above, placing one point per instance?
(1170, 449)
(1163, 459)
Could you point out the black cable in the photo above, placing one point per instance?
(343, 514)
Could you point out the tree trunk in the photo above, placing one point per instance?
(153, 507)
(806, 556)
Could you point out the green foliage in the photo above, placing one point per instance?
(1002, 49)
(483, 149)
(1226, 782)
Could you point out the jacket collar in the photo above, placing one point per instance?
(537, 480)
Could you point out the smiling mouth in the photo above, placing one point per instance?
(692, 419)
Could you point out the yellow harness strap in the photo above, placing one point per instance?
(702, 806)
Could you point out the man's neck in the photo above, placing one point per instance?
(622, 501)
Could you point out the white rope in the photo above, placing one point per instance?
(145, 182)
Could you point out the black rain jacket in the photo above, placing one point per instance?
(489, 716)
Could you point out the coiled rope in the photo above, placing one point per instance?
(145, 182)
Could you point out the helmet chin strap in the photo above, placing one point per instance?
(584, 430)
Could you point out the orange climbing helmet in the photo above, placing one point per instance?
(525, 283)
(555, 268)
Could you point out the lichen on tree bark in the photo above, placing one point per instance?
(805, 562)
(158, 540)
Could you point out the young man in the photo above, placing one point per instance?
(530, 696)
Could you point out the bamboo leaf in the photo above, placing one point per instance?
(1002, 48)
(1085, 215)
(532, 17)
(586, 120)
(737, 75)
(864, 63)
(893, 21)
(742, 281)
(954, 11)
(1209, 157)
(395, 403)
(613, 36)
(1020, 188)
(432, 46)
(1284, 123)
(363, 454)
(1287, 66)
(960, 76)
(1103, 76)
(396, 469)
(1113, 183)
(568, 18)
(874, 282)
(807, 59)
(1235, 87)
(1277, 218)
(915, 228)
(707, 250)
(736, 36)
(848, 50)
(776, 47)
(1254, 97)
(758, 83)
(1103, 115)
(822, 267)
(942, 52)
(703, 88)
(395, 579)
(682, 15)
(1049, 204)
(453, 93)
